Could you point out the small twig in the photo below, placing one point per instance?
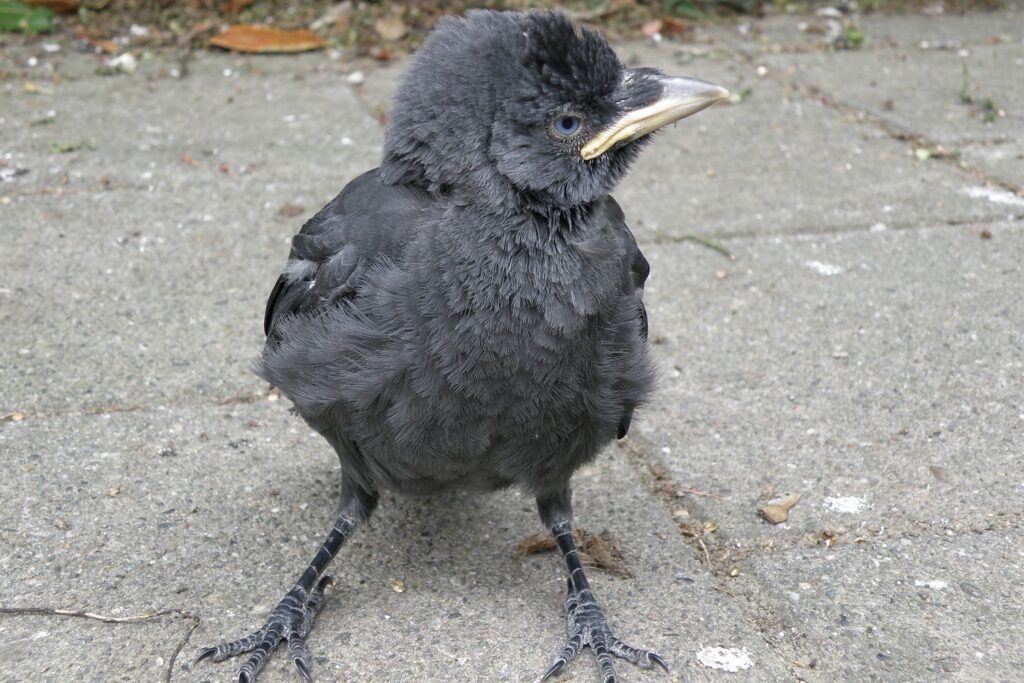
(704, 547)
(55, 611)
(698, 492)
(709, 243)
(181, 644)
(185, 44)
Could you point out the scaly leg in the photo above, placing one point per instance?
(586, 623)
(293, 617)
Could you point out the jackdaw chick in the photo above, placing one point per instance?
(470, 313)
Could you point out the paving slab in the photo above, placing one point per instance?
(215, 511)
(798, 32)
(877, 374)
(261, 123)
(801, 165)
(781, 163)
(876, 82)
(121, 299)
(929, 608)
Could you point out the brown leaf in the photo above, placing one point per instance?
(235, 6)
(57, 6)
(380, 53)
(595, 550)
(107, 46)
(247, 38)
(290, 210)
(651, 27)
(776, 510)
(673, 26)
(390, 28)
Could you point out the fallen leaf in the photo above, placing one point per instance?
(247, 38)
(673, 26)
(114, 490)
(776, 510)
(17, 16)
(390, 28)
(67, 147)
(35, 89)
(397, 586)
(595, 550)
(58, 6)
(290, 210)
(380, 53)
(103, 45)
(235, 6)
(650, 28)
(13, 416)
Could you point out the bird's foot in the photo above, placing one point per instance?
(291, 620)
(587, 626)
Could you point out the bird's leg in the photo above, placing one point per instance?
(292, 619)
(586, 623)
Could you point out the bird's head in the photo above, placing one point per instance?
(514, 109)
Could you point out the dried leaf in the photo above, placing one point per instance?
(247, 38)
(235, 6)
(107, 46)
(595, 550)
(533, 544)
(673, 26)
(650, 28)
(58, 6)
(290, 210)
(13, 416)
(776, 510)
(397, 586)
(390, 28)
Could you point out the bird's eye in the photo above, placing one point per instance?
(566, 125)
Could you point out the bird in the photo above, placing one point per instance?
(469, 314)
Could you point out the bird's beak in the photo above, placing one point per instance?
(680, 97)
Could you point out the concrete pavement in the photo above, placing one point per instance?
(864, 348)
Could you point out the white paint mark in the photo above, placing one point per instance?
(936, 584)
(823, 268)
(850, 505)
(994, 195)
(729, 659)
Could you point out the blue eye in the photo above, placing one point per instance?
(566, 125)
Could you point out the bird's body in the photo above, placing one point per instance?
(470, 313)
(460, 348)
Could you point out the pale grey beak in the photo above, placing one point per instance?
(681, 97)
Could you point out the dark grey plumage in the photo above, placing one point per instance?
(470, 313)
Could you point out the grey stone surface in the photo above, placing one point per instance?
(144, 468)
(217, 510)
(845, 366)
(918, 91)
(938, 608)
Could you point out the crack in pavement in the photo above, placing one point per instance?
(60, 612)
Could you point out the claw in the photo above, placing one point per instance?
(203, 654)
(303, 669)
(554, 670)
(656, 658)
(297, 649)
